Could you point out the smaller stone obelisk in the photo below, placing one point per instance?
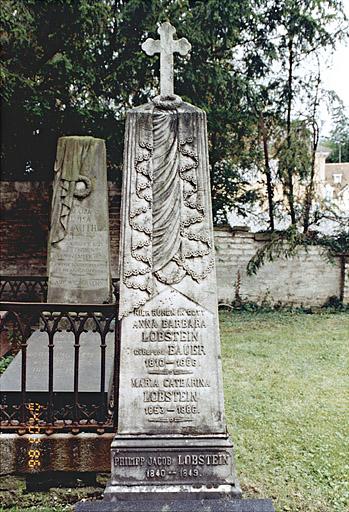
(78, 248)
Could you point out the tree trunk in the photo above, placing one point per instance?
(290, 192)
(270, 191)
(310, 188)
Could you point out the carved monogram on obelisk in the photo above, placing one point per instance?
(166, 46)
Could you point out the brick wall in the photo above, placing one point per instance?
(307, 279)
(114, 225)
(24, 221)
(24, 227)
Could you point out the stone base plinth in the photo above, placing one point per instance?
(183, 504)
(172, 464)
(59, 453)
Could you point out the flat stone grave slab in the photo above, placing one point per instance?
(158, 504)
(63, 370)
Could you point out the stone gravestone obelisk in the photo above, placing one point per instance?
(171, 445)
(171, 434)
(78, 248)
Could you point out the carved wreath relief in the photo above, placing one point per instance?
(170, 236)
(72, 163)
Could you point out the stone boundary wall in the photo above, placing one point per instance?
(24, 218)
(307, 280)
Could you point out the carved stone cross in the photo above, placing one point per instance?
(166, 46)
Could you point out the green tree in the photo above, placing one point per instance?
(50, 53)
(286, 100)
(338, 141)
(75, 66)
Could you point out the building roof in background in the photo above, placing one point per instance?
(337, 169)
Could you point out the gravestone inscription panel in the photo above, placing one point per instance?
(171, 350)
(78, 251)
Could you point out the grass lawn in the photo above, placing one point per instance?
(286, 388)
(286, 393)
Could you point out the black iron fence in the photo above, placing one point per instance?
(73, 409)
(31, 288)
(23, 288)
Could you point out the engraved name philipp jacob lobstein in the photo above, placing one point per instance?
(182, 465)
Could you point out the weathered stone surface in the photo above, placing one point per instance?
(191, 463)
(167, 370)
(170, 366)
(78, 255)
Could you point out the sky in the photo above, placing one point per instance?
(336, 77)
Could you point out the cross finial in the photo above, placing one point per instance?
(166, 46)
